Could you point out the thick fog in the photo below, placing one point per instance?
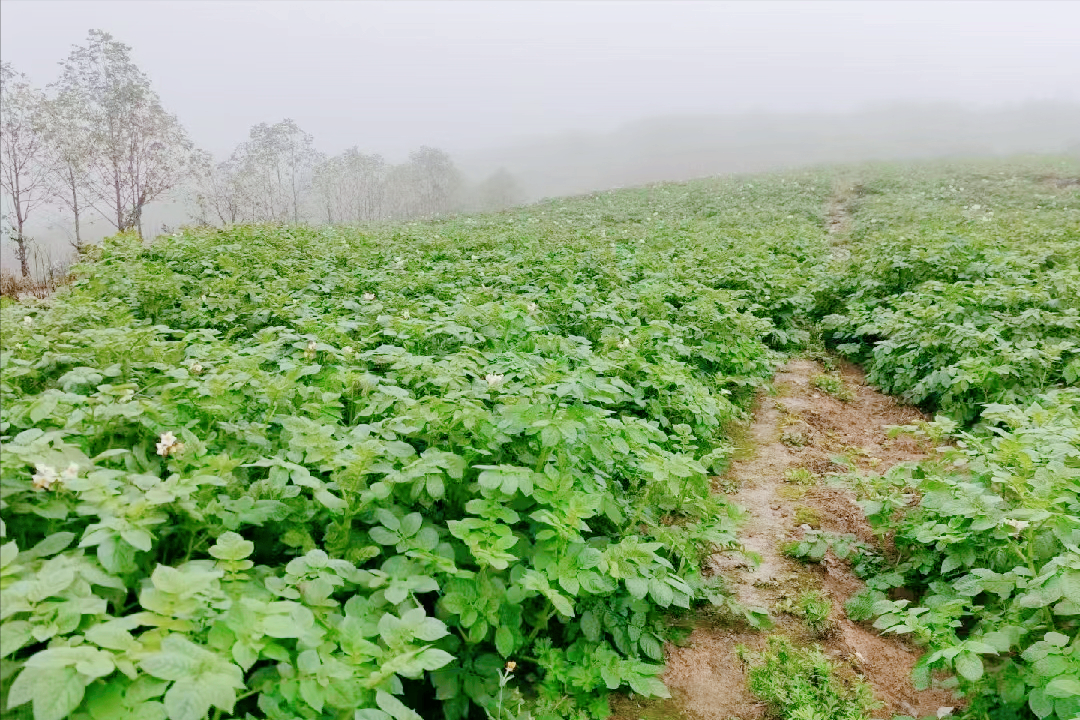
(572, 96)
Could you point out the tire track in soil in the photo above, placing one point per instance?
(705, 675)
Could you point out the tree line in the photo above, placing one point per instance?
(98, 142)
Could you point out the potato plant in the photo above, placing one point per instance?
(287, 472)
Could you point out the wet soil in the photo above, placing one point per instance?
(797, 426)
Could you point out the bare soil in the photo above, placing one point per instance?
(797, 426)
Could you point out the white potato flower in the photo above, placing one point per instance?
(1017, 525)
(45, 476)
(494, 379)
(166, 444)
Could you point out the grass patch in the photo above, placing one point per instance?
(833, 385)
(802, 684)
(799, 476)
(807, 516)
(791, 492)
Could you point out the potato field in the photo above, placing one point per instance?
(472, 467)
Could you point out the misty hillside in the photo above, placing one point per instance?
(680, 148)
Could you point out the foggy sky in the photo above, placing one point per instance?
(469, 75)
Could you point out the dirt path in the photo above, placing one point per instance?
(798, 426)
(838, 216)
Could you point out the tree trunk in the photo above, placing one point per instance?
(22, 254)
(75, 209)
(120, 226)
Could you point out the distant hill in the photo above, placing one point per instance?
(679, 148)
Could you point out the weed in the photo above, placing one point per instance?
(791, 492)
(814, 608)
(794, 438)
(799, 476)
(805, 515)
(803, 684)
(833, 384)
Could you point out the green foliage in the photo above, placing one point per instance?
(805, 515)
(802, 684)
(964, 284)
(799, 476)
(813, 607)
(291, 473)
(287, 472)
(833, 385)
(991, 549)
(815, 544)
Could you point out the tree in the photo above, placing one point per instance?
(68, 143)
(138, 151)
(221, 195)
(499, 191)
(438, 183)
(276, 167)
(23, 159)
(350, 187)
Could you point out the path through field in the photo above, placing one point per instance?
(798, 426)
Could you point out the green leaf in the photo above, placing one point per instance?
(168, 665)
(394, 707)
(231, 546)
(8, 553)
(1040, 704)
(329, 500)
(1063, 686)
(55, 692)
(16, 633)
(980, 647)
(411, 523)
(648, 686)
(504, 641)
(371, 714)
(51, 545)
(185, 700)
(1056, 639)
(590, 625)
(969, 665)
(383, 536)
(661, 592)
(433, 659)
(1069, 582)
(637, 586)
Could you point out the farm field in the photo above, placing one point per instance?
(496, 466)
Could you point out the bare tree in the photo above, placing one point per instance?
(23, 159)
(139, 151)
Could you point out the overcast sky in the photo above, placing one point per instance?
(464, 75)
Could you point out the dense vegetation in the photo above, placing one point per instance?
(294, 472)
(963, 294)
(419, 468)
